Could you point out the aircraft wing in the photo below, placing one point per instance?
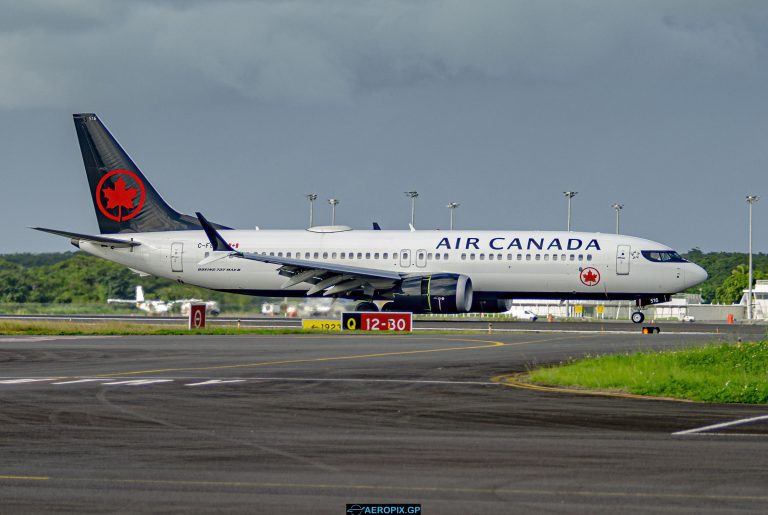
(103, 240)
(334, 278)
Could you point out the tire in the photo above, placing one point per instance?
(367, 306)
(389, 306)
(638, 317)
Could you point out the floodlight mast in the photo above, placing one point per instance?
(751, 199)
(452, 206)
(569, 195)
(413, 195)
(618, 207)
(333, 202)
(311, 197)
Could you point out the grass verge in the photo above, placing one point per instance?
(56, 328)
(714, 373)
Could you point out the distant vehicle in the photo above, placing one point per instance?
(687, 318)
(211, 306)
(527, 315)
(152, 307)
(418, 271)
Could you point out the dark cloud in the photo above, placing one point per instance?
(497, 104)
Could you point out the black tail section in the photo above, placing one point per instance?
(123, 198)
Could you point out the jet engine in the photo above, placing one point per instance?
(438, 293)
(490, 305)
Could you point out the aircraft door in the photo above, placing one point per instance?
(405, 258)
(622, 260)
(177, 250)
(421, 258)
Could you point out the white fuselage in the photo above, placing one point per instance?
(509, 264)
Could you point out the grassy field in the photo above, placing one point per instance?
(715, 373)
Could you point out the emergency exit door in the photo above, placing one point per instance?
(622, 260)
(177, 250)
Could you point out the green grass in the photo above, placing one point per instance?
(715, 373)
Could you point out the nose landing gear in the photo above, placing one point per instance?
(638, 317)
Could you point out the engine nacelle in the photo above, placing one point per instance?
(481, 305)
(438, 293)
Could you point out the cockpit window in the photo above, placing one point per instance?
(663, 256)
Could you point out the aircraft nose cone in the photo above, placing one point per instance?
(695, 275)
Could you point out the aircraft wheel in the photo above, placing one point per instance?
(367, 306)
(389, 306)
(638, 317)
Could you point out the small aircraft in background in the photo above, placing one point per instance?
(161, 307)
(152, 307)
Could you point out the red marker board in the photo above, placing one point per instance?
(385, 321)
(197, 316)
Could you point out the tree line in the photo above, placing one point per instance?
(79, 278)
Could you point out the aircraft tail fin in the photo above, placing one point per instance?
(139, 294)
(123, 198)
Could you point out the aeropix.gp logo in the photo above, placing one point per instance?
(120, 195)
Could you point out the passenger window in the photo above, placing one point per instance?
(386, 255)
(499, 257)
(463, 257)
(394, 256)
(519, 257)
(279, 254)
(573, 258)
(509, 257)
(538, 257)
(317, 255)
(546, 257)
(554, 257)
(472, 256)
(490, 257)
(421, 256)
(562, 257)
(333, 255)
(376, 255)
(527, 257)
(359, 255)
(325, 255)
(482, 255)
(343, 255)
(437, 257)
(288, 254)
(445, 256)
(367, 255)
(581, 257)
(429, 255)
(589, 257)
(271, 253)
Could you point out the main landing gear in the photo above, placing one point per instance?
(638, 317)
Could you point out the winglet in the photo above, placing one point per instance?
(376, 226)
(217, 242)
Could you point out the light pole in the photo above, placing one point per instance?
(311, 197)
(569, 195)
(412, 195)
(618, 207)
(751, 199)
(451, 206)
(333, 202)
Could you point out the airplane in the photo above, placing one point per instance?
(152, 307)
(439, 271)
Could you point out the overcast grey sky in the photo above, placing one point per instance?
(237, 109)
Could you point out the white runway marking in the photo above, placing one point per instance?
(138, 382)
(722, 425)
(216, 381)
(80, 381)
(21, 381)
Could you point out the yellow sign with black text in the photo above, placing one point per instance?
(321, 323)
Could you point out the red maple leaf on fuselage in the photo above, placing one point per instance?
(120, 196)
(590, 277)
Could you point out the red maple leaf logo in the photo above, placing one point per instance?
(590, 277)
(119, 196)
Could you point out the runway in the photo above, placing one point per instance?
(308, 423)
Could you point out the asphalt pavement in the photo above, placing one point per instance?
(309, 423)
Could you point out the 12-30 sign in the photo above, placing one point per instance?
(386, 321)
